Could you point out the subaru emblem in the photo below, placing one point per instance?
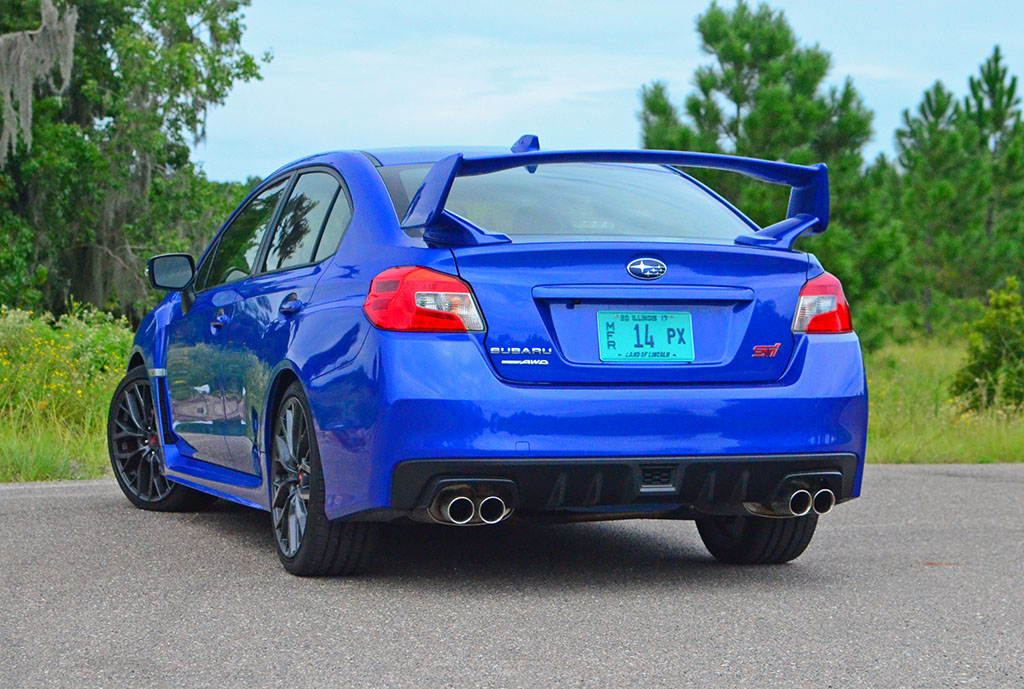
(646, 268)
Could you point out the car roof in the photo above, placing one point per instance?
(390, 156)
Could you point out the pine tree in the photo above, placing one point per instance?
(762, 95)
(940, 198)
(994, 107)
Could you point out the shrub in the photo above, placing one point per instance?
(994, 373)
(56, 379)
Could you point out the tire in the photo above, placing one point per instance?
(133, 442)
(308, 543)
(750, 540)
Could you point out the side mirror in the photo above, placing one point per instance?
(170, 271)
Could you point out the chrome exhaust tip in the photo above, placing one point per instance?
(459, 510)
(492, 509)
(824, 501)
(796, 505)
(800, 503)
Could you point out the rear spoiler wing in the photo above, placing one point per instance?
(808, 201)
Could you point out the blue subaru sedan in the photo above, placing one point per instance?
(473, 337)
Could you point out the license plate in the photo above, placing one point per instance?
(645, 337)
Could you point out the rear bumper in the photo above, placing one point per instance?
(414, 407)
(712, 484)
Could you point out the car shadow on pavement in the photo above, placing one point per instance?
(550, 556)
(555, 556)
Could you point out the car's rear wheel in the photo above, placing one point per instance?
(133, 439)
(750, 540)
(308, 543)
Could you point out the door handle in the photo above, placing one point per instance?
(290, 306)
(220, 321)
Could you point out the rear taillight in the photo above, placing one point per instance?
(822, 307)
(415, 299)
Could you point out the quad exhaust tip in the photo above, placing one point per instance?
(491, 509)
(796, 504)
(459, 510)
(824, 501)
(800, 503)
(462, 508)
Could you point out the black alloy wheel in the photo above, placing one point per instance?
(290, 476)
(308, 543)
(136, 456)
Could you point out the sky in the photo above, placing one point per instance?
(366, 74)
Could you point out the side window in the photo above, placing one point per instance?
(240, 242)
(334, 230)
(303, 217)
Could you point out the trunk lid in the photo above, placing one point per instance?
(569, 312)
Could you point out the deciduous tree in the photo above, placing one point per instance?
(108, 178)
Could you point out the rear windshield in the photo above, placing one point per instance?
(590, 200)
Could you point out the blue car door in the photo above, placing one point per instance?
(271, 303)
(194, 346)
(196, 336)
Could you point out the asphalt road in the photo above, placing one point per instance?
(917, 584)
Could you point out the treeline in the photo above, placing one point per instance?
(99, 103)
(917, 240)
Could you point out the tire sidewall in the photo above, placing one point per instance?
(759, 540)
(134, 375)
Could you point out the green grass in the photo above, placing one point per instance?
(914, 419)
(57, 377)
(56, 380)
